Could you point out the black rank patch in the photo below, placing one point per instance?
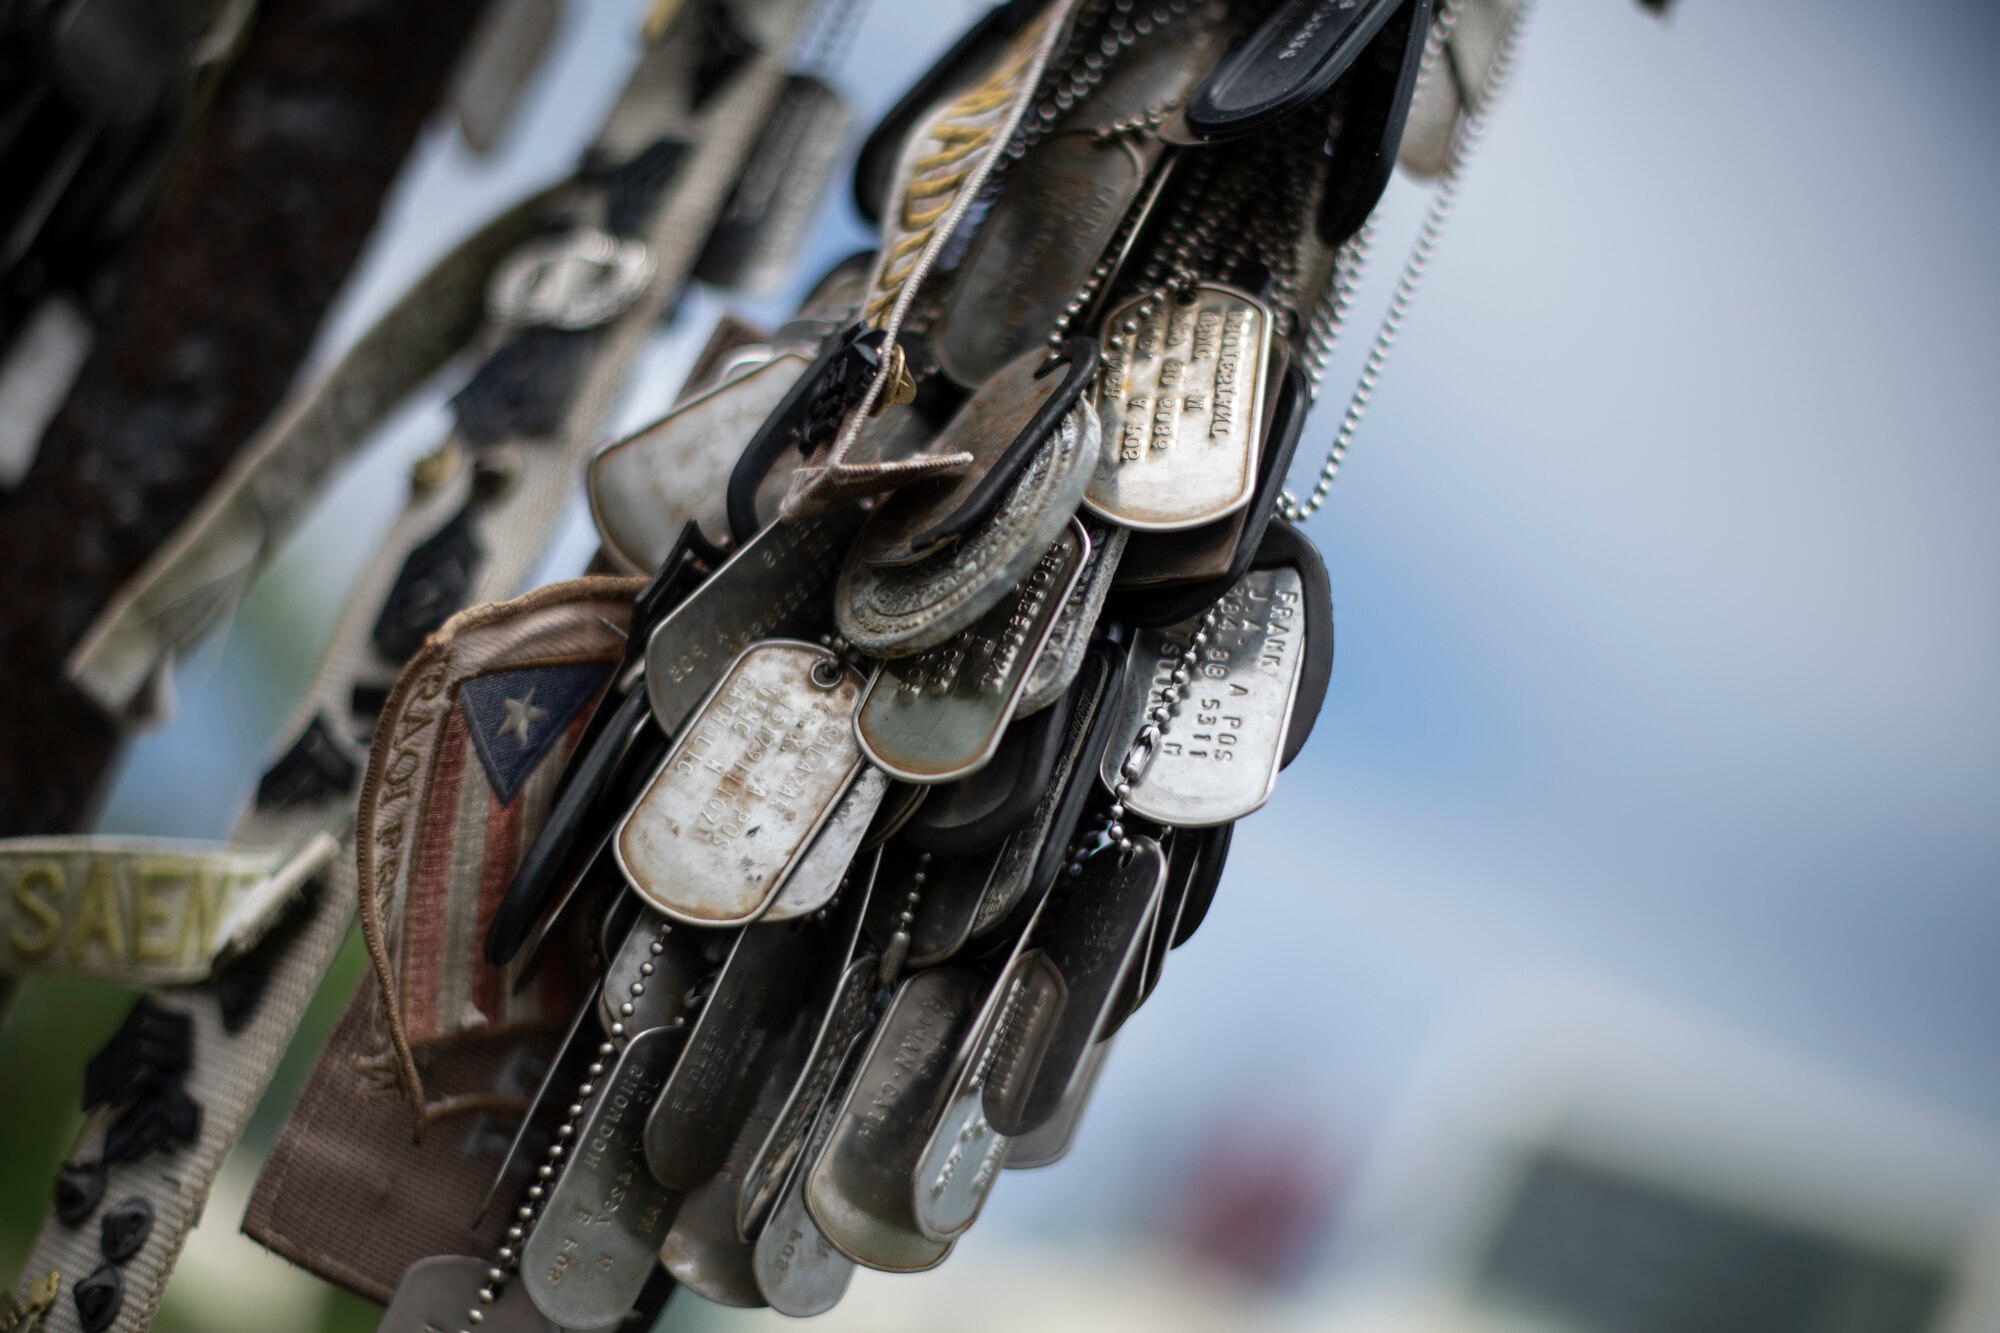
(431, 586)
(316, 767)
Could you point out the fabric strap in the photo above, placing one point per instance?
(231, 1070)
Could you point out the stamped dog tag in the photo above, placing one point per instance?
(942, 906)
(964, 1153)
(664, 974)
(859, 1189)
(1092, 930)
(747, 784)
(1049, 1142)
(645, 487)
(843, 1021)
(756, 1000)
(901, 611)
(1181, 395)
(1293, 56)
(818, 875)
(1060, 209)
(939, 716)
(775, 587)
(1218, 756)
(436, 1292)
(797, 1268)
(1062, 655)
(598, 1238)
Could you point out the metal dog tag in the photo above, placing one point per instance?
(963, 1156)
(1062, 655)
(436, 1292)
(1181, 394)
(939, 716)
(1049, 1142)
(844, 1021)
(797, 1268)
(1092, 930)
(1295, 54)
(1058, 212)
(820, 872)
(665, 974)
(1217, 758)
(775, 587)
(1008, 418)
(897, 612)
(748, 783)
(859, 1189)
(644, 488)
(703, 1251)
(755, 1001)
(599, 1234)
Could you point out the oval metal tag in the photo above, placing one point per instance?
(749, 781)
(939, 716)
(1218, 756)
(1181, 398)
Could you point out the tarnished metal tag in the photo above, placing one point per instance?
(1218, 756)
(1181, 396)
(1062, 655)
(797, 1268)
(747, 784)
(1057, 215)
(1092, 931)
(599, 1235)
(859, 1189)
(897, 612)
(843, 1022)
(646, 487)
(1049, 1142)
(820, 872)
(940, 715)
(775, 587)
(731, 1048)
(436, 1292)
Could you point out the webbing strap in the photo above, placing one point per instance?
(231, 1071)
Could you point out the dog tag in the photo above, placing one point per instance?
(1169, 576)
(942, 906)
(1062, 656)
(1286, 547)
(435, 1293)
(964, 1153)
(1293, 56)
(797, 1268)
(564, 1073)
(664, 974)
(598, 1238)
(1059, 210)
(1218, 756)
(703, 1250)
(756, 1000)
(940, 715)
(774, 587)
(976, 813)
(1092, 931)
(1007, 419)
(1204, 877)
(1181, 397)
(747, 784)
(1368, 126)
(819, 874)
(844, 1021)
(859, 1189)
(1049, 1142)
(901, 611)
(1032, 857)
(645, 487)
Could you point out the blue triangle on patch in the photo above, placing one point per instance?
(515, 717)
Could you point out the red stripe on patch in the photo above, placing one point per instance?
(430, 881)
